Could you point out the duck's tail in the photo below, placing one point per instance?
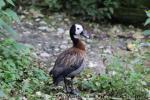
(56, 79)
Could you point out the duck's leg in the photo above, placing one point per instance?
(71, 84)
(73, 91)
(67, 82)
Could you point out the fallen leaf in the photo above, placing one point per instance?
(130, 46)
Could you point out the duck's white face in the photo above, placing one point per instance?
(78, 29)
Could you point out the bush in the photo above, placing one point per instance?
(7, 16)
(20, 76)
(119, 86)
(90, 9)
(19, 72)
(119, 83)
(147, 22)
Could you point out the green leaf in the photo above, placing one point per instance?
(148, 13)
(108, 15)
(147, 21)
(7, 27)
(10, 2)
(146, 32)
(2, 4)
(25, 85)
(10, 13)
(2, 93)
(111, 10)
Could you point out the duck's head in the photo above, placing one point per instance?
(77, 30)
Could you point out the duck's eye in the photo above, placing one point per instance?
(77, 28)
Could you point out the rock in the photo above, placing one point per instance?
(37, 19)
(98, 67)
(112, 73)
(92, 64)
(34, 54)
(39, 44)
(67, 33)
(43, 23)
(63, 47)
(25, 12)
(88, 46)
(116, 29)
(22, 17)
(66, 19)
(51, 29)
(43, 28)
(60, 30)
(131, 26)
(147, 63)
(101, 36)
(38, 93)
(24, 98)
(29, 23)
(101, 47)
(65, 42)
(36, 13)
(59, 19)
(26, 32)
(53, 23)
(44, 55)
(56, 49)
(44, 34)
(138, 36)
(47, 97)
(52, 64)
(96, 30)
(121, 44)
(144, 44)
(108, 50)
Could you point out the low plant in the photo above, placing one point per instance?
(90, 9)
(19, 73)
(119, 83)
(7, 15)
(147, 22)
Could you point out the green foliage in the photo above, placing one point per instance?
(147, 32)
(119, 82)
(18, 71)
(90, 9)
(120, 85)
(54, 4)
(7, 16)
(132, 3)
(147, 22)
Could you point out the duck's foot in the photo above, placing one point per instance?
(74, 92)
(67, 90)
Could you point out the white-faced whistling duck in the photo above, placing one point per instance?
(69, 63)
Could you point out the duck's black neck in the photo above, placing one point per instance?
(77, 43)
(74, 40)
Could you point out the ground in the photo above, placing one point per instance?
(49, 36)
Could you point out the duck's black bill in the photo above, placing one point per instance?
(85, 34)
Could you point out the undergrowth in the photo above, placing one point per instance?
(120, 81)
(20, 75)
(91, 9)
